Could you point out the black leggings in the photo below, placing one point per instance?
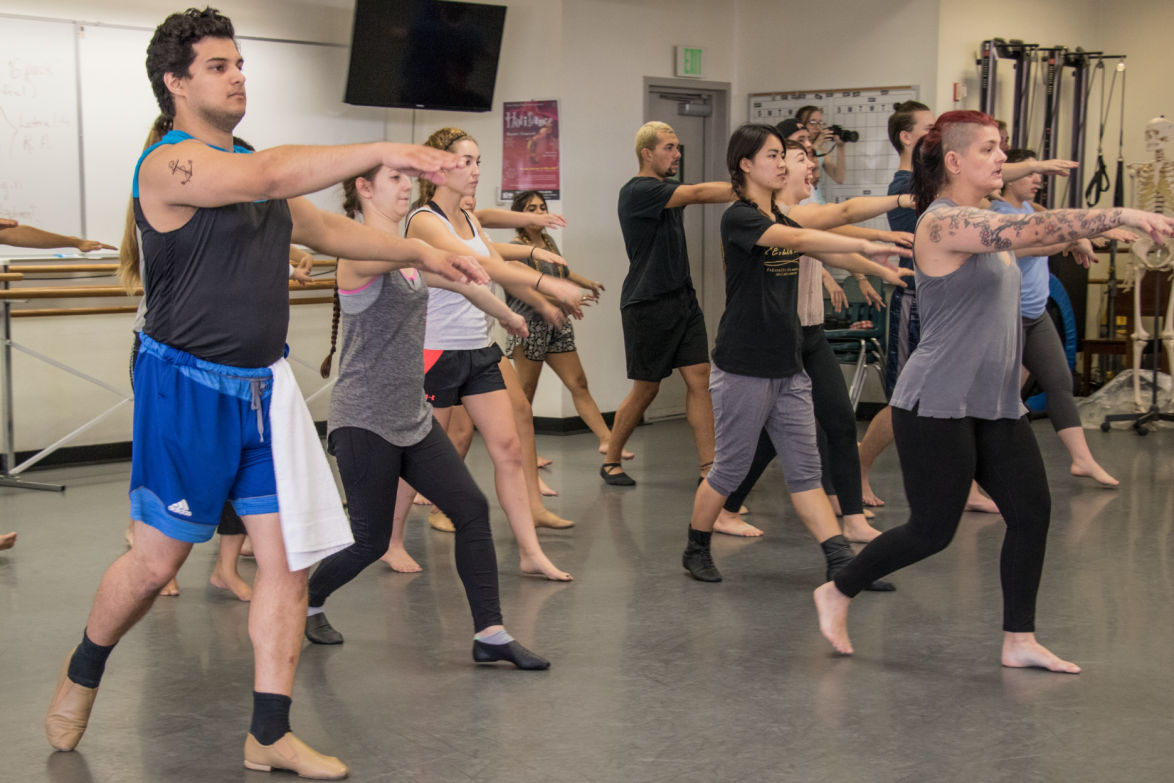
(939, 458)
(230, 522)
(371, 468)
(836, 422)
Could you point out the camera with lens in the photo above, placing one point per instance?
(844, 133)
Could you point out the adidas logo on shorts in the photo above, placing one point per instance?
(180, 507)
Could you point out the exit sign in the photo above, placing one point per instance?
(689, 60)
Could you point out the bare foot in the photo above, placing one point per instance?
(540, 565)
(1022, 651)
(980, 502)
(400, 561)
(247, 548)
(868, 514)
(1093, 471)
(832, 607)
(743, 510)
(170, 589)
(870, 498)
(227, 579)
(543, 462)
(730, 524)
(546, 491)
(438, 521)
(7, 541)
(547, 518)
(420, 500)
(626, 454)
(857, 530)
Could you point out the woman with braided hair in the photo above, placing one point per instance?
(382, 429)
(757, 379)
(957, 416)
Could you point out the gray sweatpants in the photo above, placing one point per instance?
(1043, 356)
(742, 407)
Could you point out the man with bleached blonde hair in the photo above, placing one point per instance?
(664, 328)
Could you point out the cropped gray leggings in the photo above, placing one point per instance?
(1043, 356)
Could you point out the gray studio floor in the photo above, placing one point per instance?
(655, 677)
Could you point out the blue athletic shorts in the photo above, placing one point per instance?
(201, 435)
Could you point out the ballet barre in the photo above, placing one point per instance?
(10, 472)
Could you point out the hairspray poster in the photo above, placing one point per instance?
(529, 140)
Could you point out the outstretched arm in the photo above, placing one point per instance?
(507, 218)
(484, 300)
(27, 236)
(336, 235)
(192, 174)
(858, 264)
(518, 279)
(854, 210)
(814, 242)
(702, 193)
(902, 238)
(1024, 168)
(968, 230)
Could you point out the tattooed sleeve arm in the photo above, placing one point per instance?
(971, 230)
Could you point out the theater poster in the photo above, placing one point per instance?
(529, 159)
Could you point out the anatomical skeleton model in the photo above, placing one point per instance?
(1153, 184)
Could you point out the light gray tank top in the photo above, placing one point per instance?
(967, 363)
(380, 384)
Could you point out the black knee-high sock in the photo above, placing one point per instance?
(270, 717)
(88, 662)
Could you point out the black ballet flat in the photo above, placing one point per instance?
(511, 651)
(620, 479)
(320, 631)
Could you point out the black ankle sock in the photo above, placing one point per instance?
(700, 537)
(88, 663)
(270, 717)
(838, 551)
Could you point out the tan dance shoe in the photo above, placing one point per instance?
(292, 754)
(69, 712)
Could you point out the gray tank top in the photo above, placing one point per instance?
(380, 384)
(967, 363)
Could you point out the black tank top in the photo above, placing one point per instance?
(217, 287)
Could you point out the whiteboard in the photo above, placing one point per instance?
(39, 163)
(294, 97)
(871, 161)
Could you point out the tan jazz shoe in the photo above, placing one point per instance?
(292, 754)
(438, 521)
(69, 712)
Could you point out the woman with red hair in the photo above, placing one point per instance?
(957, 415)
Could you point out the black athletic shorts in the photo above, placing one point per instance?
(451, 375)
(664, 333)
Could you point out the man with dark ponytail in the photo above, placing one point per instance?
(212, 388)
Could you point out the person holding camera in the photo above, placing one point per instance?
(828, 141)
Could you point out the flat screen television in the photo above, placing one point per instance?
(424, 54)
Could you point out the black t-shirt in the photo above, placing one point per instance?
(759, 334)
(655, 240)
(903, 218)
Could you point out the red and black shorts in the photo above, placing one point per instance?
(452, 375)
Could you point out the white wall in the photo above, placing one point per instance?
(836, 44)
